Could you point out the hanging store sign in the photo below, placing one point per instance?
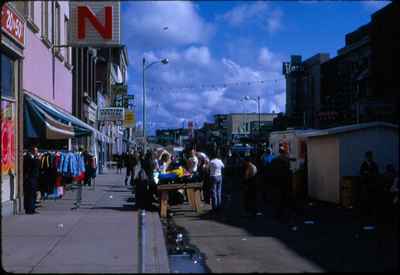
(111, 114)
(13, 24)
(94, 24)
(129, 121)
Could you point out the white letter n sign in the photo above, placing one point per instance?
(94, 24)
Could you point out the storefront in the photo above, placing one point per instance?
(11, 56)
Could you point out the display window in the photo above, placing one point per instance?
(8, 127)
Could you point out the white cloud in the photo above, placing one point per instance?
(269, 60)
(241, 13)
(199, 55)
(374, 5)
(192, 63)
(270, 17)
(274, 21)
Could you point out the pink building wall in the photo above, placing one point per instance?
(37, 64)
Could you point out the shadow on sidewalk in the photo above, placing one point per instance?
(325, 234)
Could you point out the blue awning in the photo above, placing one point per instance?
(44, 120)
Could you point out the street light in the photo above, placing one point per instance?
(256, 99)
(145, 67)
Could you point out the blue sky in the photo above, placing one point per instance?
(226, 42)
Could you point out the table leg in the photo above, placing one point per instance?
(197, 200)
(164, 204)
(189, 192)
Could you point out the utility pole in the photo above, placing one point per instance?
(259, 116)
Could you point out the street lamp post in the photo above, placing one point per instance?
(145, 67)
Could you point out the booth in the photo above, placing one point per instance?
(336, 154)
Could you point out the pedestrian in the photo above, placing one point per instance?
(281, 172)
(145, 182)
(119, 163)
(130, 163)
(165, 161)
(204, 173)
(266, 173)
(249, 187)
(193, 162)
(88, 160)
(369, 172)
(216, 168)
(31, 174)
(80, 177)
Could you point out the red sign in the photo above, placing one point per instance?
(104, 30)
(13, 24)
(94, 24)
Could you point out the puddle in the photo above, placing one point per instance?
(183, 256)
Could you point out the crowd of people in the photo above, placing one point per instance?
(265, 179)
(146, 169)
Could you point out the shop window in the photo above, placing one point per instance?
(67, 49)
(7, 77)
(45, 21)
(30, 14)
(57, 31)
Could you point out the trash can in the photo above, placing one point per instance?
(348, 191)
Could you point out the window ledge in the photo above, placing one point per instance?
(69, 66)
(59, 55)
(31, 24)
(46, 41)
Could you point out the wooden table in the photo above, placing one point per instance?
(192, 190)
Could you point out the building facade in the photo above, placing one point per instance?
(359, 84)
(239, 124)
(303, 89)
(12, 45)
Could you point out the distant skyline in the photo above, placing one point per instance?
(211, 44)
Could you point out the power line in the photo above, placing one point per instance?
(213, 86)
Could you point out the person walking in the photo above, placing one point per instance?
(216, 167)
(281, 177)
(130, 163)
(249, 187)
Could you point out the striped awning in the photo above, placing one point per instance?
(44, 120)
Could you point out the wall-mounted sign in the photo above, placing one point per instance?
(94, 23)
(111, 114)
(288, 68)
(13, 24)
(129, 121)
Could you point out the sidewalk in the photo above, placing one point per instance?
(99, 237)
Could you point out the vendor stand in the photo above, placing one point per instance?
(192, 189)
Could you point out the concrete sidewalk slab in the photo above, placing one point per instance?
(99, 237)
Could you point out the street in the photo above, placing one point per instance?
(336, 242)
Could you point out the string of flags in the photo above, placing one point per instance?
(213, 86)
